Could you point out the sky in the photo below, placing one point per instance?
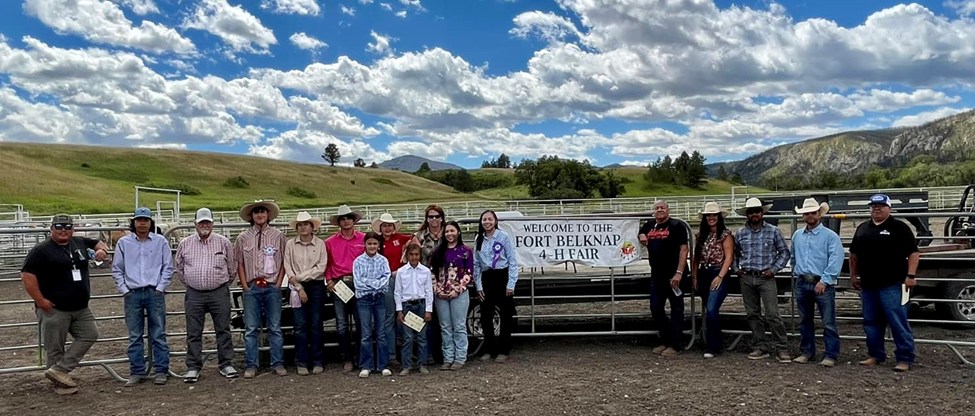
(462, 81)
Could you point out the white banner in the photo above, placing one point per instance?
(593, 242)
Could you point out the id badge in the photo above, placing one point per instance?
(76, 275)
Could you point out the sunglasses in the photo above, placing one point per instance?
(434, 217)
(754, 211)
(258, 210)
(66, 227)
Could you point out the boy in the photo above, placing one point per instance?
(414, 293)
(370, 272)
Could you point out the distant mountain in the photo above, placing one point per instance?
(410, 163)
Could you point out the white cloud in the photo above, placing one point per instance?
(379, 44)
(102, 21)
(925, 117)
(307, 146)
(888, 101)
(141, 7)
(548, 26)
(963, 7)
(239, 29)
(400, 14)
(347, 10)
(171, 146)
(365, 1)
(22, 120)
(386, 6)
(411, 3)
(302, 7)
(303, 41)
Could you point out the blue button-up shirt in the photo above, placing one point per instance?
(370, 274)
(817, 252)
(142, 263)
(762, 249)
(496, 252)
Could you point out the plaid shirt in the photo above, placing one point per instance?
(205, 264)
(762, 249)
(371, 274)
(252, 257)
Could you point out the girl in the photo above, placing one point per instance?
(453, 266)
(495, 274)
(713, 254)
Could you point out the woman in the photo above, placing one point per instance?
(304, 267)
(495, 275)
(391, 247)
(430, 233)
(713, 254)
(453, 266)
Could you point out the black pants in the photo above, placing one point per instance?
(495, 282)
(671, 330)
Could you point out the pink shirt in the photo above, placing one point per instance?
(342, 253)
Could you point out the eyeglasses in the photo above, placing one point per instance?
(434, 217)
(65, 227)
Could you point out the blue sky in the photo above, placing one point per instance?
(611, 81)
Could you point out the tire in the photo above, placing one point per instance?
(475, 332)
(961, 311)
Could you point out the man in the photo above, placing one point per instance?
(205, 264)
(259, 252)
(343, 247)
(762, 253)
(55, 276)
(666, 242)
(883, 259)
(143, 270)
(817, 259)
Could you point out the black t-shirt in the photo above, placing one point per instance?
(882, 251)
(663, 245)
(52, 264)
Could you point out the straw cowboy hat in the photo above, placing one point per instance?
(712, 207)
(385, 218)
(304, 216)
(271, 206)
(811, 205)
(343, 211)
(753, 203)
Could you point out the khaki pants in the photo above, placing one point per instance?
(56, 326)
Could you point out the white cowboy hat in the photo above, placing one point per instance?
(753, 203)
(271, 206)
(385, 218)
(304, 216)
(712, 207)
(811, 205)
(343, 211)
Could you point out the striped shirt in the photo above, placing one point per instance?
(142, 263)
(255, 247)
(305, 261)
(371, 274)
(762, 249)
(496, 252)
(205, 264)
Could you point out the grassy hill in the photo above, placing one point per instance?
(53, 178)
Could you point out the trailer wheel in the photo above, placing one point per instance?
(958, 311)
(475, 332)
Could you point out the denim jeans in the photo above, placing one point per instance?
(410, 336)
(452, 315)
(141, 305)
(266, 301)
(882, 307)
(806, 301)
(197, 305)
(712, 300)
(671, 331)
(758, 292)
(372, 312)
(390, 328)
(345, 313)
(308, 327)
(55, 327)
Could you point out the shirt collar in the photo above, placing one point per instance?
(816, 230)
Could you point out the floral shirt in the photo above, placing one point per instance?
(456, 273)
(713, 251)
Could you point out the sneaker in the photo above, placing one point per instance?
(827, 362)
(757, 355)
(160, 378)
(404, 372)
(282, 372)
(364, 373)
(445, 366)
(501, 358)
(802, 359)
(669, 352)
(302, 371)
(783, 356)
(387, 372)
(250, 372)
(870, 362)
(485, 357)
(229, 372)
(658, 349)
(134, 380)
(423, 370)
(60, 377)
(317, 369)
(191, 376)
(902, 367)
(347, 367)
(708, 355)
(456, 366)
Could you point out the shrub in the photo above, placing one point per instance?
(182, 187)
(237, 182)
(301, 193)
(85, 165)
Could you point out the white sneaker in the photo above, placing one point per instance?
(191, 376)
(364, 373)
(708, 355)
(387, 372)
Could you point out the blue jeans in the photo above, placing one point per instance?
(410, 336)
(308, 327)
(712, 300)
(390, 328)
(671, 330)
(344, 313)
(452, 315)
(372, 312)
(806, 300)
(266, 300)
(141, 305)
(882, 307)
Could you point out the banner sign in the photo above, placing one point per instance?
(593, 242)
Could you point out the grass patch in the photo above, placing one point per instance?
(237, 182)
(384, 181)
(301, 193)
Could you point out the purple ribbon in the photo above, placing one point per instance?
(497, 255)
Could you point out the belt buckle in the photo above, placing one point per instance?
(260, 282)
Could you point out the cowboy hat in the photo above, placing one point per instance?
(712, 207)
(385, 218)
(811, 205)
(304, 216)
(344, 211)
(269, 205)
(753, 203)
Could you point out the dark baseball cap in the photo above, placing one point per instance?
(880, 199)
(62, 219)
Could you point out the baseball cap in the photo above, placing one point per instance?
(142, 212)
(62, 219)
(203, 214)
(880, 199)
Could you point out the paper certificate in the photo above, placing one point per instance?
(343, 292)
(905, 294)
(413, 321)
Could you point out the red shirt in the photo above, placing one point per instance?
(392, 249)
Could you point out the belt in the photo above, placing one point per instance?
(751, 272)
(711, 266)
(207, 290)
(810, 278)
(414, 302)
